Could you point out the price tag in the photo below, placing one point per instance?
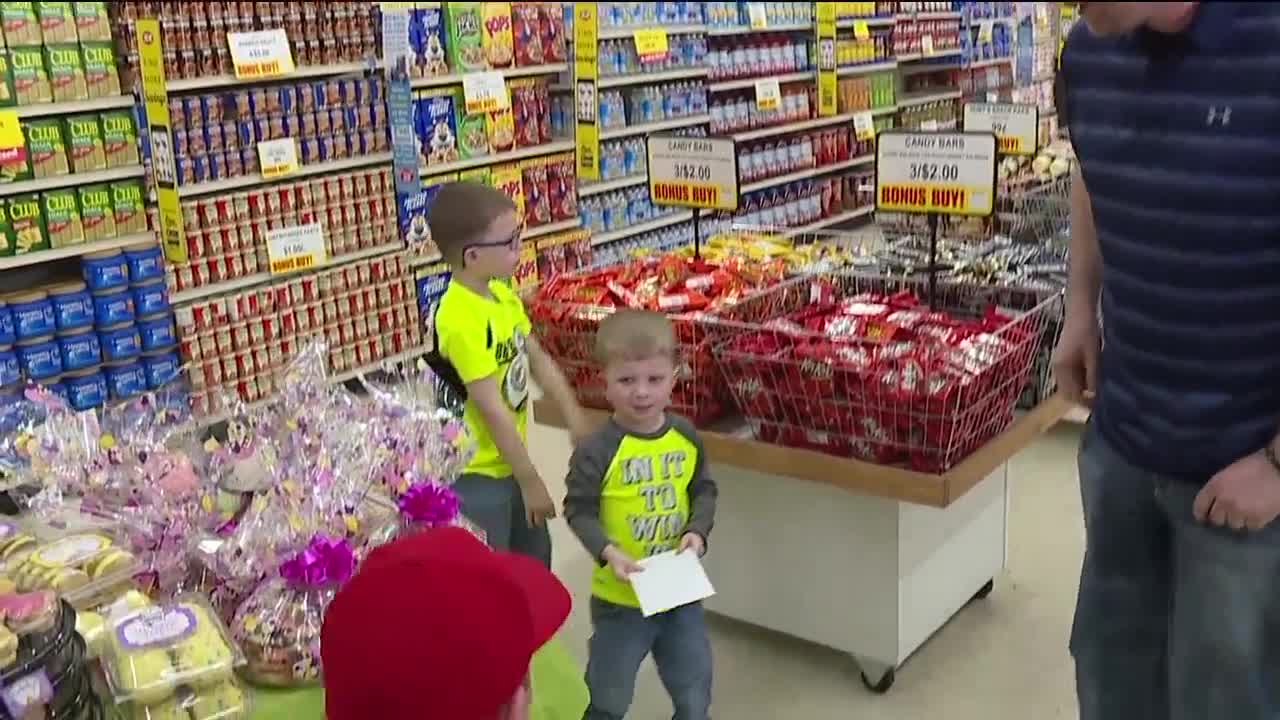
(948, 173)
(929, 125)
(1016, 126)
(864, 127)
(926, 44)
(651, 44)
(485, 92)
(13, 146)
(984, 32)
(278, 157)
(693, 172)
(759, 18)
(296, 248)
(861, 31)
(768, 95)
(260, 54)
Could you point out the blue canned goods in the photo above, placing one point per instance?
(105, 270)
(125, 380)
(72, 306)
(161, 369)
(9, 371)
(120, 342)
(79, 350)
(113, 308)
(157, 332)
(86, 388)
(32, 314)
(40, 358)
(146, 262)
(150, 298)
(7, 335)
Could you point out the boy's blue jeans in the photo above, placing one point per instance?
(1176, 620)
(622, 638)
(496, 505)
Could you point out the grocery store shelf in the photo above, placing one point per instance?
(248, 281)
(614, 33)
(644, 227)
(924, 98)
(745, 83)
(418, 262)
(806, 173)
(936, 55)
(741, 29)
(988, 62)
(827, 222)
(302, 72)
(44, 256)
(456, 78)
(605, 186)
(115, 102)
(61, 181)
(867, 68)
(644, 78)
(793, 127)
(551, 228)
(252, 179)
(645, 129)
(952, 15)
(886, 110)
(877, 21)
(495, 158)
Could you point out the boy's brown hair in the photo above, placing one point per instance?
(461, 213)
(634, 335)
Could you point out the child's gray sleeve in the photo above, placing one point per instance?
(702, 495)
(587, 470)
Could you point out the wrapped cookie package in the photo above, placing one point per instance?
(81, 567)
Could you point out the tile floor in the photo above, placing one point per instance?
(1003, 658)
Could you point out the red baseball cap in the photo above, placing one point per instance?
(436, 625)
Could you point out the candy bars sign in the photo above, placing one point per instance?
(260, 54)
(1016, 126)
(944, 173)
(693, 172)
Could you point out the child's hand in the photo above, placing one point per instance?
(694, 542)
(538, 507)
(621, 563)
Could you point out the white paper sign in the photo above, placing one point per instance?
(296, 248)
(485, 92)
(864, 126)
(1016, 126)
(949, 173)
(693, 172)
(277, 158)
(670, 580)
(768, 95)
(260, 54)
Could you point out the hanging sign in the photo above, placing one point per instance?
(651, 44)
(260, 54)
(828, 79)
(485, 92)
(1016, 125)
(586, 36)
(768, 95)
(278, 158)
(693, 172)
(947, 173)
(163, 174)
(296, 248)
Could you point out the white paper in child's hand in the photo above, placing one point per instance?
(669, 580)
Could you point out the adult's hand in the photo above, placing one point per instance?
(1075, 359)
(1245, 495)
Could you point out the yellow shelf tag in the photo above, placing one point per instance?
(861, 31)
(651, 44)
(485, 92)
(260, 54)
(768, 95)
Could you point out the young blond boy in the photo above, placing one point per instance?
(483, 332)
(637, 487)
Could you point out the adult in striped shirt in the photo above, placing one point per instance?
(1174, 111)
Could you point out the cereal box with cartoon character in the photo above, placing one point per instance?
(473, 129)
(499, 47)
(426, 39)
(412, 216)
(465, 36)
(526, 31)
(435, 120)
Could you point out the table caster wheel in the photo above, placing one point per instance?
(985, 590)
(881, 687)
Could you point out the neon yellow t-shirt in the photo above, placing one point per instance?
(485, 337)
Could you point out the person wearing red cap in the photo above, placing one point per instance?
(435, 626)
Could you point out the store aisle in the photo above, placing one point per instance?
(1003, 658)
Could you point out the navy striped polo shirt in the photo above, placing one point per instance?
(1178, 140)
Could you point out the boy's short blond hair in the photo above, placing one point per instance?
(634, 335)
(461, 213)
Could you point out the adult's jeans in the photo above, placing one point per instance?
(1176, 619)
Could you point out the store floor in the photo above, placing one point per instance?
(1001, 658)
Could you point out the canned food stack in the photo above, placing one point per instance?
(238, 345)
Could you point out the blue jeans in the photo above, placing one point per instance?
(497, 507)
(622, 638)
(1176, 620)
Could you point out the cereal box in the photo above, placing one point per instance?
(96, 212)
(426, 39)
(437, 129)
(8, 97)
(554, 47)
(465, 42)
(501, 127)
(526, 273)
(509, 179)
(431, 282)
(526, 31)
(92, 23)
(28, 224)
(473, 130)
(499, 48)
(21, 27)
(480, 175)
(126, 202)
(524, 112)
(84, 140)
(47, 148)
(57, 22)
(66, 72)
(30, 81)
(119, 138)
(101, 76)
(412, 217)
(62, 218)
(537, 204)
(562, 189)
(6, 232)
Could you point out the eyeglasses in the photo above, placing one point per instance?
(512, 242)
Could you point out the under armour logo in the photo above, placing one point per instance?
(1223, 117)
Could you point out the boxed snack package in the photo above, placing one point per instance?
(62, 218)
(96, 212)
(119, 138)
(6, 232)
(526, 32)
(501, 128)
(499, 48)
(101, 77)
(92, 23)
(47, 148)
(537, 205)
(479, 175)
(8, 96)
(437, 127)
(84, 141)
(526, 273)
(510, 180)
(524, 111)
(562, 188)
(426, 39)
(473, 133)
(66, 71)
(57, 22)
(126, 201)
(85, 568)
(30, 80)
(554, 47)
(21, 26)
(28, 224)
(465, 42)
